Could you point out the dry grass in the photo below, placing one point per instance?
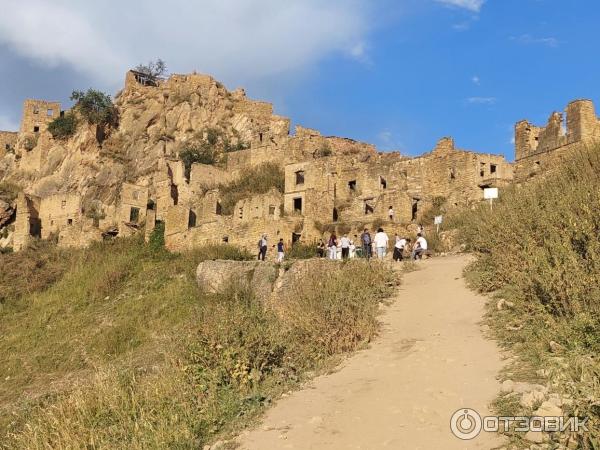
(123, 351)
(540, 249)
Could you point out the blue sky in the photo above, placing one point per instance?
(399, 74)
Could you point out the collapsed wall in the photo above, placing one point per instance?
(542, 149)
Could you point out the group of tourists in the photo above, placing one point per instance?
(368, 246)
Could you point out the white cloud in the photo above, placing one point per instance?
(476, 80)
(235, 41)
(387, 141)
(471, 5)
(528, 39)
(481, 100)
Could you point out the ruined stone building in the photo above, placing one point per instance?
(85, 189)
(541, 149)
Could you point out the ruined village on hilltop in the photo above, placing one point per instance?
(128, 178)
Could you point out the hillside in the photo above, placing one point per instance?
(116, 346)
(538, 252)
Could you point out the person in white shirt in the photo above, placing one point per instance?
(381, 243)
(391, 214)
(353, 247)
(399, 248)
(420, 247)
(345, 244)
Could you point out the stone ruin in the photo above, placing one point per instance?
(81, 190)
(541, 149)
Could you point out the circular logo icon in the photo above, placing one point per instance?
(466, 424)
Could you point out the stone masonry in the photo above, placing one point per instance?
(82, 190)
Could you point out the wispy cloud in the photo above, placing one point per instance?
(470, 5)
(481, 100)
(476, 80)
(387, 141)
(528, 39)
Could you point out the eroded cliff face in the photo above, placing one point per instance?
(157, 124)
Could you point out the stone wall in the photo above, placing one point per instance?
(37, 114)
(539, 149)
(58, 212)
(133, 207)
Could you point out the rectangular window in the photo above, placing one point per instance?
(369, 208)
(136, 195)
(69, 222)
(298, 205)
(271, 210)
(36, 110)
(299, 177)
(352, 185)
(63, 204)
(493, 168)
(383, 183)
(36, 129)
(134, 215)
(50, 112)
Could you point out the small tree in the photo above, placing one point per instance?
(63, 127)
(153, 69)
(201, 153)
(96, 107)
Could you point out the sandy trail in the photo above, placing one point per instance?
(430, 360)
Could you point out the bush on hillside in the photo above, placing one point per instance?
(95, 107)
(256, 180)
(9, 191)
(540, 248)
(209, 146)
(63, 127)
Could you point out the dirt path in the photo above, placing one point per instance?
(430, 360)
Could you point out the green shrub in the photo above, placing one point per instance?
(63, 127)
(301, 250)
(256, 180)
(157, 238)
(95, 107)
(197, 153)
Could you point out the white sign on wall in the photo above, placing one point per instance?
(438, 220)
(490, 193)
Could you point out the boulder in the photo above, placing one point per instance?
(529, 399)
(6, 212)
(216, 276)
(548, 409)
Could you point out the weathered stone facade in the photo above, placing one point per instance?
(82, 189)
(541, 149)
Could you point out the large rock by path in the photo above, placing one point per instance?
(216, 276)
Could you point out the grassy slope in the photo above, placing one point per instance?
(116, 347)
(540, 249)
